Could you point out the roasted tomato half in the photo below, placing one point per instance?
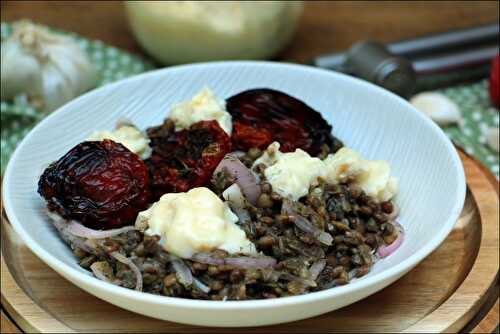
(261, 116)
(185, 159)
(101, 184)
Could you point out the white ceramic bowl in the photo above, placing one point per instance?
(367, 118)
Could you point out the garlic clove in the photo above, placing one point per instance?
(492, 138)
(437, 107)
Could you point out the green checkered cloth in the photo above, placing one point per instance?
(478, 115)
(113, 64)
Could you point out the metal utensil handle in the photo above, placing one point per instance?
(445, 41)
(450, 61)
(432, 44)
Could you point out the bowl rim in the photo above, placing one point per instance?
(95, 284)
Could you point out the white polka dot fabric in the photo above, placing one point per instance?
(478, 116)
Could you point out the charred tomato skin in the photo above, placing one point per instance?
(185, 159)
(261, 116)
(101, 184)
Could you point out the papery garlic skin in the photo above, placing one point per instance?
(23, 77)
(437, 107)
(49, 68)
(176, 32)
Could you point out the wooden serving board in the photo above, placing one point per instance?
(441, 294)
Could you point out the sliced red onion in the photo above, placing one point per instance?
(289, 277)
(200, 286)
(93, 246)
(386, 250)
(207, 258)
(242, 262)
(237, 202)
(65, 235)
(126, 261)
(316, 269)
(83, 245)
(62, 227)
(243, 176)
(79, 230)
(60, 224)
(182, 272)
(56, 219)
(251, 262)
(305, 225)
(234, 195)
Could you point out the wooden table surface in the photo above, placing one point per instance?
(325, 27)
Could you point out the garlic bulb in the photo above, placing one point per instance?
(48, 68)
(437, 107)
(177, 32)
(492, 137)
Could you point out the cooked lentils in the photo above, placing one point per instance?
(357, 223)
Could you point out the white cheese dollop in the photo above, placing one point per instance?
(373, 176)
(291, 174)
(377, 180)
(204, 106)
(343, 165)
(192, 222)
(129, 136)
